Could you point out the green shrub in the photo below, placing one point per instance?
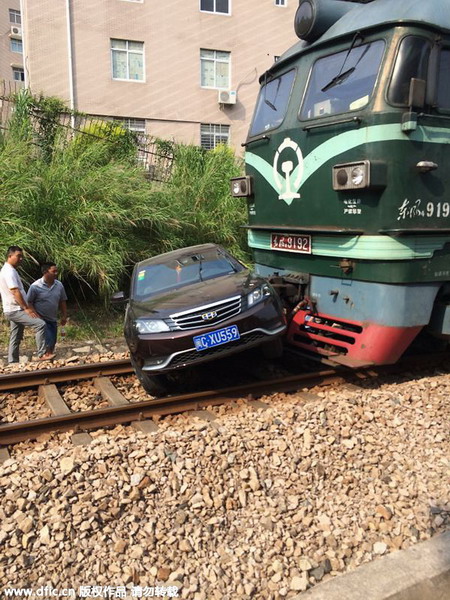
(91, 213)
(120, 143)
(88, 205)
(198, 196)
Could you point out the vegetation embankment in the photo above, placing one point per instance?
(85, 200)
(88, 203)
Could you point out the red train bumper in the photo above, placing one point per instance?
(348, 342)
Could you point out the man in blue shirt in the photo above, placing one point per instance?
(46, 296)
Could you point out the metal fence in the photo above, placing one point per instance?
(155, 155)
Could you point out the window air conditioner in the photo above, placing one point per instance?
(227, 97)
(15, 30)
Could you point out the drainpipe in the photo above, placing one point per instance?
(70, 63)
(24, 47)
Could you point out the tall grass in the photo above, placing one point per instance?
(91, 217)
(93, 211)
(198, 196)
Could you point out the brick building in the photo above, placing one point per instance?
(180, 69)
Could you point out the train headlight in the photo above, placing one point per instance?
(241, 187)
(359, 175)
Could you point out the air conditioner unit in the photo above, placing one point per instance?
(227, 97)
(15, 30)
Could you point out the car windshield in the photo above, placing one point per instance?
(342, 82)
(272, 103)
(185, 270)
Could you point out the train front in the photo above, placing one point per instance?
(346, 183)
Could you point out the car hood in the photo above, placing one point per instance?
(197, 294)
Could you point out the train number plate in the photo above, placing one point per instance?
(291, 242)
(215, 338)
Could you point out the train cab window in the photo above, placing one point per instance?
(343, 81)
(411, 61)
(272, 103)
(443, 88)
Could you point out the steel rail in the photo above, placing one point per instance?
(11, 433)
(25, 379)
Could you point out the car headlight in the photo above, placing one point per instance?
(151, 326)
(258, 294)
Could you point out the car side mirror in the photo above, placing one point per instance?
(118, 298)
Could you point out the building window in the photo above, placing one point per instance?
(137, 125)
(127, 60)
(213, 135)
(215, 6)
(16, 46)
(18, 74)
(15, 16)
(129, 123)
(280, 2)
(215, 69)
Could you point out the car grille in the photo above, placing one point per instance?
(204, 316)
(188, 358)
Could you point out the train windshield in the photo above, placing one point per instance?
(272, 103)
(412, 61)
(443, 92)
(343, 81)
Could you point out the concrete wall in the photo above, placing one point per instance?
(419, 573)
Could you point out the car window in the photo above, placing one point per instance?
(186, 270)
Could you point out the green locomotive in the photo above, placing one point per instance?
(348, 177)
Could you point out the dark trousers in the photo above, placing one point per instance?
(51, 330)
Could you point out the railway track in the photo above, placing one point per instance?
(26, 379)
(121, 411)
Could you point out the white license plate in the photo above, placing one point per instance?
(291, 242)
(216, 338)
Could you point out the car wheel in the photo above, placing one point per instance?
(273, 349)
(155, 385)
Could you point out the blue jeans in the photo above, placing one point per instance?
(51, 330)
(18, 320)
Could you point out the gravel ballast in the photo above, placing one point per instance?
(258, 503)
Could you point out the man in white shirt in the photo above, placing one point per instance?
(16, 309)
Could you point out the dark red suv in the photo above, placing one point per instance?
(193, 305)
